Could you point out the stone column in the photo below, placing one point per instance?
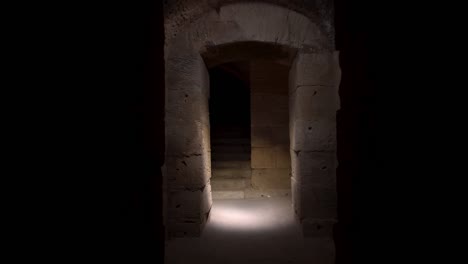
(188, 161)
(314, 101)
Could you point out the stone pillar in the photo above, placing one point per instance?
(188, 161)
(314, 101)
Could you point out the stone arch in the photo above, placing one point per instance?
(313, 94)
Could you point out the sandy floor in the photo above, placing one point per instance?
(251, 231)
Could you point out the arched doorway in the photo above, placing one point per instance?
(217, 37)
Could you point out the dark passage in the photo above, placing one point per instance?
(230, 127)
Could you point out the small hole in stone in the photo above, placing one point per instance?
(310, 128)
(315, 92)
(319, 226)
(186, 95)
(177, 206)
(183, 162)
(324, 167)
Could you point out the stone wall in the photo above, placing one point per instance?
(187, 166)
(313, 87)
(270, 159)
(313, 82)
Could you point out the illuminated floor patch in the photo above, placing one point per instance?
(251, 231)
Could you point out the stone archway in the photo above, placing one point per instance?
(313, 93)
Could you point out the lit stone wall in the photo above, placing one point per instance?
(270, 159)
(313, 102)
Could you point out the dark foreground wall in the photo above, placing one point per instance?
(355, 126)
(123, 113)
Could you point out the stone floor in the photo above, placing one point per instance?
(251, 231)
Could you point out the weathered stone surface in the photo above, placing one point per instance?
(318, 202)
(318, 227)
(186, 137)
(187, 105)
(282, 156)
(185, 205)
(186, 71)
(229, 184)
(262, 136)
(187, 86)
(252, 193)
(242, 164)
(223, 195)
(178, 229)
(180, 13)
(271, 178)
(312, 102)
(232, 172)
(206, 202)
(314, 168)
(266, 118)
(314, 135)
(316, 69)
(263, 157)
(296, 196)
(273, 102)
(191, 171)
(280, 134)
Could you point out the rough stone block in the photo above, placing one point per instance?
(232, 172)
(271, 178)
(318, 227)
(262, 136)
(189, 171)
(224, 195)
(314, 168)
(252, 193)
(188, 104)
(312, 102)
(263, 157)
(317, 69)
(186, 137)
(229, 184)
(296, 198)
(177, 229)
(318, 202)
(282, 156)
(185, 204)
(206, 202)
(260, 22)
(314, 135)
(273, 103)
(266, 118)
(260, 118)
(187, 71)
(280, 134)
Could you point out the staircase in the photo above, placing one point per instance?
(230, 162)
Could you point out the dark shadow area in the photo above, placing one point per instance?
(229, 106)
(356, 121)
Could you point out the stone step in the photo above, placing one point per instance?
(230, 157)
(229, 184)
(253, 193)
(229, 164)
(218, 149)
(231, 173)
(230, 141)
(250, 193)
(224, 195)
